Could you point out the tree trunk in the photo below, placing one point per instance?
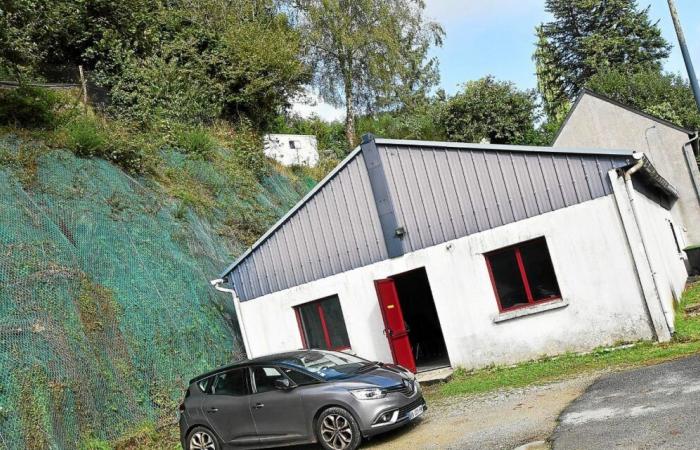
(349, 116)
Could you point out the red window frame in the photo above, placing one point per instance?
(324, 326)
(531, 301)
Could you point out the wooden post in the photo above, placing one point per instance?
(83, 83)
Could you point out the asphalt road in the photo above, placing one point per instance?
(656, 407)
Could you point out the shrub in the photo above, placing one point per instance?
(195, 142)
(28, 107)
(86, 137)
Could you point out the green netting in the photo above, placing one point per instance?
(105, 307)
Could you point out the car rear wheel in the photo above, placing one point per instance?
(201, 438)
(336, 429)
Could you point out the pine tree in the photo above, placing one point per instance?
(589, 36)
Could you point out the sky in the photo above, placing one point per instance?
(497, 37)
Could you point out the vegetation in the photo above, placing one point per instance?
(490, 110)
(369, 55)
(686, 341)
(28, 107)
(190, 61)
(666, 96)
(586, 37)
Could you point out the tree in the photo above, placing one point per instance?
(489, 109)
(589, 36)
(369, 55)
(667, 96)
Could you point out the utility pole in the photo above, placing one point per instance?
(684, 49)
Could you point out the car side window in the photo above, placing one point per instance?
(231, 383)
(265, 378)
(298, 377)
(205, 385)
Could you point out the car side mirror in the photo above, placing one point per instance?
(283, 384)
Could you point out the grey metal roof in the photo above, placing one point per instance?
(389, 197)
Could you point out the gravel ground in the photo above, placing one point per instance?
(499, 420)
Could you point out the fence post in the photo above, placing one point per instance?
(83, 84)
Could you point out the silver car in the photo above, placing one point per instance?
(300, 397)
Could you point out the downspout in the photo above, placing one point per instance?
(691, 160)
(217, 284)
(645, 245)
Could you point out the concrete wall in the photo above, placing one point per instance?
(602, 302)
(666, 261)
(597, 123)
(305, 153)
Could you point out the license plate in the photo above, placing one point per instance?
(416, 412)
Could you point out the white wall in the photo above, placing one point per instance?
(593, 266)
(596, 123)
(277, 146)
(666, 261)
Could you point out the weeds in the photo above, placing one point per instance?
(197, 143)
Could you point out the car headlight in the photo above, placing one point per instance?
(368, 394)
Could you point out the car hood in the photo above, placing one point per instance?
(383, 376)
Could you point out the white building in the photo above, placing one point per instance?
(432, 254)
(597, 121)
(292, 149)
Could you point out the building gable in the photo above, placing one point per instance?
(603, 123)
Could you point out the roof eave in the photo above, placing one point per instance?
(506, 147)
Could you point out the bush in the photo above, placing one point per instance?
(86, 137)
(195, 142)
(29, 107)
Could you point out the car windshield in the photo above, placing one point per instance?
(327, 365)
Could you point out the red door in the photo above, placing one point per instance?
(394, 326)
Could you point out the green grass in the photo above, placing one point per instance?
(685, 342)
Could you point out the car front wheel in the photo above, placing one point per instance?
(337, 429)
(201, 438)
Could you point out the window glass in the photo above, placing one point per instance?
(539, 270)
(299, 377)
(312, 326)
(231, 383)
(509, 282)
(205, 385)
(265, 378)
(335, 323)
(329, 365)
(323, 325)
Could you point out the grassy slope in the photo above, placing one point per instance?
(104, 292)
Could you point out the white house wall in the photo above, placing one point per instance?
(667, 262)
(591, 259)
(598, 123)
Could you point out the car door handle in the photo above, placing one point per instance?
(212, 410)
(259, 405)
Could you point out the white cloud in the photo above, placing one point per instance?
(455, 10)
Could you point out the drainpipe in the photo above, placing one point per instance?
(645, 245)
(217, 284)
(690, 159)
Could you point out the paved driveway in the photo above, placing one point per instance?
(656, 407)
